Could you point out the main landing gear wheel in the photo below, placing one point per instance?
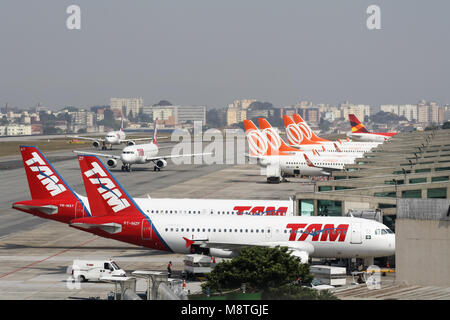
(156, 168)
(126, 167)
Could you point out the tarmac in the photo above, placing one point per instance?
(35, 253)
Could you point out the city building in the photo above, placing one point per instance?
(172, 115)
(126, 105)
(409, 111)
(15, 130)
(390, 108)
(360, 111)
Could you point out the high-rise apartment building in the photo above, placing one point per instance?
(127, 105)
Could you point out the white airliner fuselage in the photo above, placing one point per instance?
(321, 237)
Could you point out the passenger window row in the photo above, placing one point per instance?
(217, 230)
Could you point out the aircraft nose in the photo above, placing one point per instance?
(126, 158)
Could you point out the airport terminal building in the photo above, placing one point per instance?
(411, 165)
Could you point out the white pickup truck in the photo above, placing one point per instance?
(84, 270)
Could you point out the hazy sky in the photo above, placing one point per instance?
(207, 52)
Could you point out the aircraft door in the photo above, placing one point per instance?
(356, 233)
(146, 230)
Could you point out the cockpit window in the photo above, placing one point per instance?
(383, 231)
(377, 231)
(115, 265)
(389, 231)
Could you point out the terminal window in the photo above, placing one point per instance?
(439, 193)
(418, 180)
(436, 179)
(412, 194)
(306, 207)
(329, 208)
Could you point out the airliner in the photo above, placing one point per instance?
(279, 144)
(111, 138)
(300, 163)
(110, 212)
(360, 133)
(300, 134)
(141, 154)
(224, 236)
(52, 198)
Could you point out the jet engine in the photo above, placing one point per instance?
(222, 253)
(131, 143)
(96, 144)
(161, 163)
(112, 163)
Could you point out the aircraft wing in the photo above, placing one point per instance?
(300, 250)
(141, 139)
(324, 167)
(177, 156)
(98, 154)
(86, 138)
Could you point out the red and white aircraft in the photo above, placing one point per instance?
(224, 236)
(360, 133)
(52, 198)
(140, 154)
(112, 213)
(111, 138)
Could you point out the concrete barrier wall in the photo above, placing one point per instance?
(423, 252)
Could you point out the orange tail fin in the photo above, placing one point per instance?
(296, 136)
(274, 138)
(305, 127)
(258, 143)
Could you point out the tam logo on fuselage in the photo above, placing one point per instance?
(327, 233)
(46, 176)
(261, 210)
(107, 189)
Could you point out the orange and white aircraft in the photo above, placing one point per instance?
(280, 163)
(360, 133)
(277, 142)
(300, 135)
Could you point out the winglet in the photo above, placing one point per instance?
(189, 242)
(337, 148)
(308, 162)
